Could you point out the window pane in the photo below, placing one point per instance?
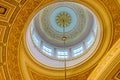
(89, 41)
(78, 50)
(62, 57)
(62, 53)
(47, 50)
(36, 39)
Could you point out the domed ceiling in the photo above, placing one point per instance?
(63, 30)
(26, 42)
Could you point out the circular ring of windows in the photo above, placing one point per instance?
(67, 53)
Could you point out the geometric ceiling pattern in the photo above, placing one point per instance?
(14, 15)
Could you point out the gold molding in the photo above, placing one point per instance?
(107, 63)
(106, 10)
(105, 23)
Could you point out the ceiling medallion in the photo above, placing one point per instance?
(63, 19)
